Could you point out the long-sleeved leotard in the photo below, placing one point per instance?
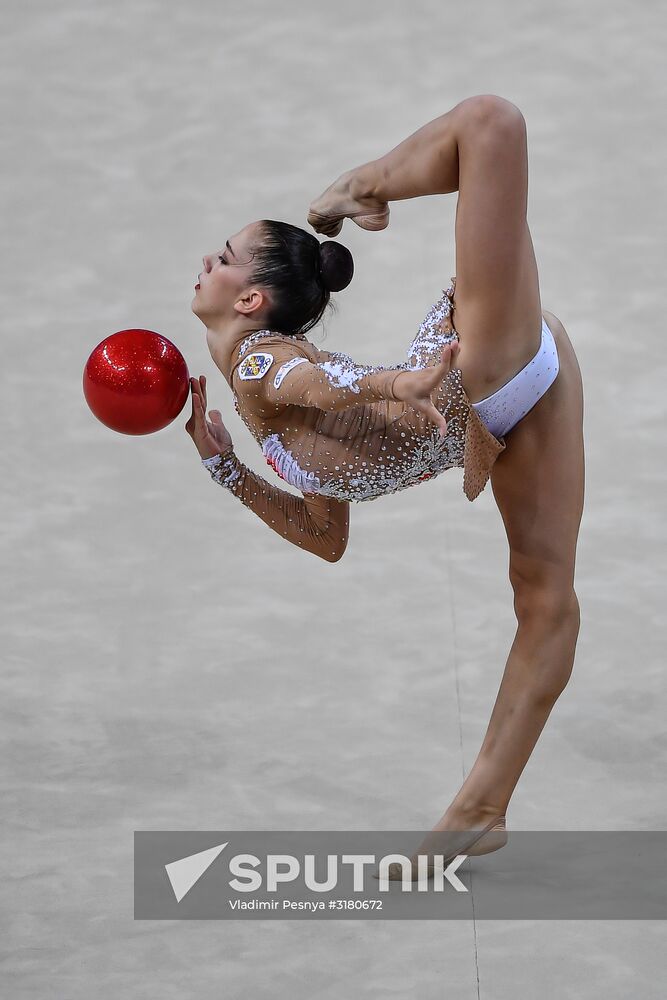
(332, 428)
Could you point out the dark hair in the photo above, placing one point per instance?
(301, 273)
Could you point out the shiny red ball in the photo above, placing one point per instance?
(136, 381)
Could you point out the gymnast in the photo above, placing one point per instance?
(491, 385)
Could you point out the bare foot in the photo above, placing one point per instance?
(345, 199)
(451, 836)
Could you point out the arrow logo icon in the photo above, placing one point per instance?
(186, 871)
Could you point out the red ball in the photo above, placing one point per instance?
(136, 381)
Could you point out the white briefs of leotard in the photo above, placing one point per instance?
(505, 407)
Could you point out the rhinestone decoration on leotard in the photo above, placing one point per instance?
(287, 467)
(435, 331)
(223, 469)
(430, 456)
(260, 334)
(344, 373)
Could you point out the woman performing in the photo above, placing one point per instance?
(510, 410)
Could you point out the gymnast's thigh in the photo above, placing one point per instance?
(497, 303)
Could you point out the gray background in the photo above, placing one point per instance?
(173, 664)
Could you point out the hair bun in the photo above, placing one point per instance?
(337, 265)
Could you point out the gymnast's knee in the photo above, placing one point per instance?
(493, 110)
(549, 624)
(550, 605)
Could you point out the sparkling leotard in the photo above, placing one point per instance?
(331, 427)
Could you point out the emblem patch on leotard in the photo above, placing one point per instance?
(255, 365)
(284, 369)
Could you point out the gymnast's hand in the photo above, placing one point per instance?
(211, 437)
(416, 387)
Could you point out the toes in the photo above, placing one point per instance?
(324, 225)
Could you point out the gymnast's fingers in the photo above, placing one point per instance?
(191, 425)
(432, 413)
(447, 356)
(433, 375)
(199, 412)
(438, 419)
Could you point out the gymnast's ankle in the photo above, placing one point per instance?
(469, 816)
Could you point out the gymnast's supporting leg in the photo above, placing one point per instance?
(537, 671)
(538, 484)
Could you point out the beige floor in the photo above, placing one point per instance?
(171, 663)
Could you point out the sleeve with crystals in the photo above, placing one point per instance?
(316, 523)
(279, 376)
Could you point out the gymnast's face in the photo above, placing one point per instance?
(224, 291)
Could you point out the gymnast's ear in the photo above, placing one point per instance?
(253, 300)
